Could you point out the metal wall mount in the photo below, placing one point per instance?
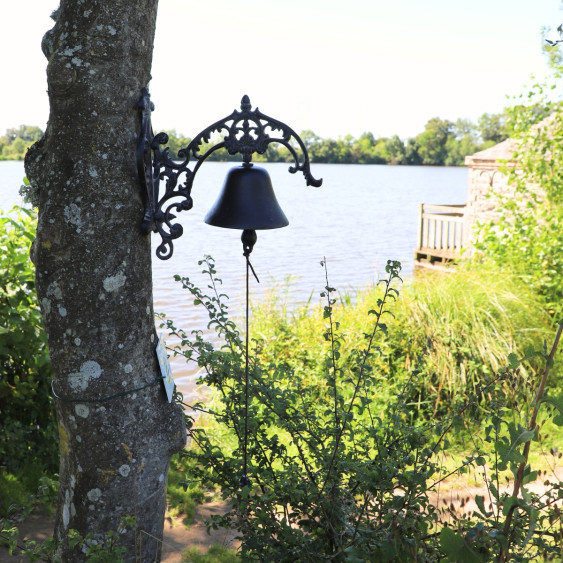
(246, 131)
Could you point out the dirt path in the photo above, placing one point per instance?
(177, 538)
(455, 496)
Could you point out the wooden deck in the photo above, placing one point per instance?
(440, 235)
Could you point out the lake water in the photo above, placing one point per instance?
(362, 216)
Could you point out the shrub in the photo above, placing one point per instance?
(316, 473)
(29, 440)
(528, 236)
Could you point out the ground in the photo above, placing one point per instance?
(455, 494)
(177, 538)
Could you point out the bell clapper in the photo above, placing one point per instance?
(248, 238)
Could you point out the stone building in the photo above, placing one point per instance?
(447, 231)
(485, 180)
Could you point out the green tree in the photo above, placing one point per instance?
(176, 142)
(310, 139)
(492, 128)
(15, 150)
(528, 235)
(432, 143)
(327, 151)
(364, 149)
(387, 150)
(313, 143)
(463, 141)
(14, 144)
(412, 156)
(396, 150)
(380, 152)
(345, 149)
(28, 133)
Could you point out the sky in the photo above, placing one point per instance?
(332, 66)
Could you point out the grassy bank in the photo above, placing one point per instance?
(357, 398)
(454, 329)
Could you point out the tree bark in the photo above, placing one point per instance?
(94, 282)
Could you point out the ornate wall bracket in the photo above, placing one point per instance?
(246, 132)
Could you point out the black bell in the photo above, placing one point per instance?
(247, 201)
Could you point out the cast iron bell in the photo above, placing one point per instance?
(247, 201)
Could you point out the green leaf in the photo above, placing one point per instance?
(480, 502)
(508, 504)
(513, 360)
(530, 477)
(530, 352)
(533, 514)
(557, 402)
(518, 436)
(456, 548)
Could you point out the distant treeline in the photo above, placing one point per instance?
(14, 144)
(442, 143)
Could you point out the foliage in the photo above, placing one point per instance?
(176, 142)
(109, 550)
(528, 242)
(334, 479)
(442, 143)
(215, 554)
(183, 496)
(455, 328)
(432, 142)
(29, 440)
(518, 524)
(458, 329)
(527, 236)
(14, 144)
(493, 128)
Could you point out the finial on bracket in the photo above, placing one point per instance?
(245, 132)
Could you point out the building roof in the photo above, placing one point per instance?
(493, 156)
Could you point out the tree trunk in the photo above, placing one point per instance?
(93, 273)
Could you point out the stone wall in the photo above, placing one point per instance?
(485, 181)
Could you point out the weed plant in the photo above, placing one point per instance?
(29, 437)
(337, 476)
(460, 328)
(215, 554)
(183, 500)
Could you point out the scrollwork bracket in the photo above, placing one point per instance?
(246, 131)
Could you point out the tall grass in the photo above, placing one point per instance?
(456, 329)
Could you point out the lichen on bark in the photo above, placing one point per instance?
(93, 274)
